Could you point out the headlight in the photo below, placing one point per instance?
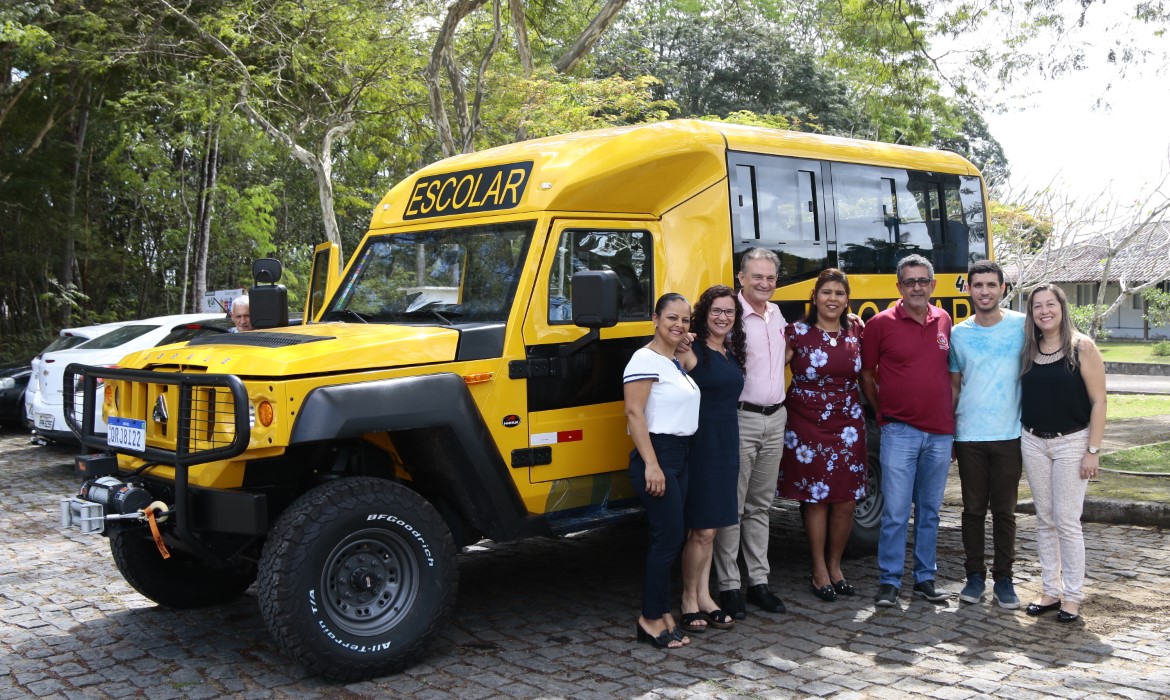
(7, 383)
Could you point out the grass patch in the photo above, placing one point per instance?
(1122, 406)
(1150, 459)
(1131, 351)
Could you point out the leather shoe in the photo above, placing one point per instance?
(731, 602)
(1035, 609)
(1066, 616)
(763, 596)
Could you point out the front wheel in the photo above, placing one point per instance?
(357, 577)
(181, 581)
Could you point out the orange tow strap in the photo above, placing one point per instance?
(158, 540)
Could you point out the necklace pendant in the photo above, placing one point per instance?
(833, 342)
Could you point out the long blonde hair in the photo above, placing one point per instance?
(1069, 336)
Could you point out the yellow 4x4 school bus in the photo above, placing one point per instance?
(461, 377)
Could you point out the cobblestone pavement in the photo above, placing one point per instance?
(555, 618)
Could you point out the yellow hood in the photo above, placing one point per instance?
(296, 350)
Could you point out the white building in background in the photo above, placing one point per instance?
(1078, 269)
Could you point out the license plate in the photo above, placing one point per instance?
(45, 421)
(127, 433)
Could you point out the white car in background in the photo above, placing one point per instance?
(48, 413)
(66, 339)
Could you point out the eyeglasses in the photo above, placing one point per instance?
(715, 311)
(920, 282)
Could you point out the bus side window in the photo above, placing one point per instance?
(627, 253)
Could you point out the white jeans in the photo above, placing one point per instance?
(1058, 491)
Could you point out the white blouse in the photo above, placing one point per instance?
(673, 406)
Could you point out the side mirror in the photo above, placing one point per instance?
(595, 298)
(268, 300)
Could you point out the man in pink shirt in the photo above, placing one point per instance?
(761, 440)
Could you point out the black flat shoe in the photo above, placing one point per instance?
(1035, 609)
(826, 592)
(1065, 616)
(843, 587)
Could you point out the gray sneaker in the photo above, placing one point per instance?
(925, 589)
(887, 596)
(1005, 594)
(973, 591)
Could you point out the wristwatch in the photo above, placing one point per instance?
(1094, 450)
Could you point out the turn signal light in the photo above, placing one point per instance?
(478, 378)
(264, 413)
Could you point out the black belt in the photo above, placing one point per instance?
(1048, 436)
(755, 408)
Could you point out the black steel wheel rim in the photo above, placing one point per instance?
(370, 580)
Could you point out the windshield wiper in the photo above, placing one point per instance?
(428, 311)
(347, 313)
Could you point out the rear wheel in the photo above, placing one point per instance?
(182, 581)
(867, 515)
(358, 575)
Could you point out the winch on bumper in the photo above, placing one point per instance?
(186, 419)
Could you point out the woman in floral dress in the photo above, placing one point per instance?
(824, 460)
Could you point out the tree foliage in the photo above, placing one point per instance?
(150, 150)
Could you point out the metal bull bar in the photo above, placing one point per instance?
(183, 455)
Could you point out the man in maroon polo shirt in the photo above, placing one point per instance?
(905, 377)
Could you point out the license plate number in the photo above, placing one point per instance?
(127, 433)
(45, 421)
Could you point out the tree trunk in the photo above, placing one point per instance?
(208, 175)
(584, 43)
(444, 48)
(68, 245)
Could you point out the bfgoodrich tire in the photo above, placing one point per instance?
(182, 581)
(357, 577)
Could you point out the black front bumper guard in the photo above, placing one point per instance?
(81, 422)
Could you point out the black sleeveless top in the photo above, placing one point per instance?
(1054, 399)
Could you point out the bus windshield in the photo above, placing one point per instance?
(447, 276)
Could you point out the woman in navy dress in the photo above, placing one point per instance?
(715, 361)
(824, 462)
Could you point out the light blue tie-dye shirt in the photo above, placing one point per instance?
(989, 361)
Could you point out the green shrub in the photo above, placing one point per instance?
(1082, 319)
(1161, 348)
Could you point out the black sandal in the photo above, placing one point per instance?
(689, 621)
(662, 641)
(843, 587)
(719, 619)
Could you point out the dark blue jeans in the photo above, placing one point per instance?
(665, 517)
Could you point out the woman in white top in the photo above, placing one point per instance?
(662, 409)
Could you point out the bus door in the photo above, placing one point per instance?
(576, 423)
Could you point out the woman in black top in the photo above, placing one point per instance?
(1063, 416)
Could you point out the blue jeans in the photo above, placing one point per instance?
(914, 468)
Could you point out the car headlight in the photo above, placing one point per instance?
(7, 383)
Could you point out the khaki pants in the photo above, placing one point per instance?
(761, 444)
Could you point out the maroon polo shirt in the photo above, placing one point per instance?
(910, 366)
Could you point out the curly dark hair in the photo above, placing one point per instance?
(735, 342)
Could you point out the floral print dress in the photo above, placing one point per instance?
(824, 444)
